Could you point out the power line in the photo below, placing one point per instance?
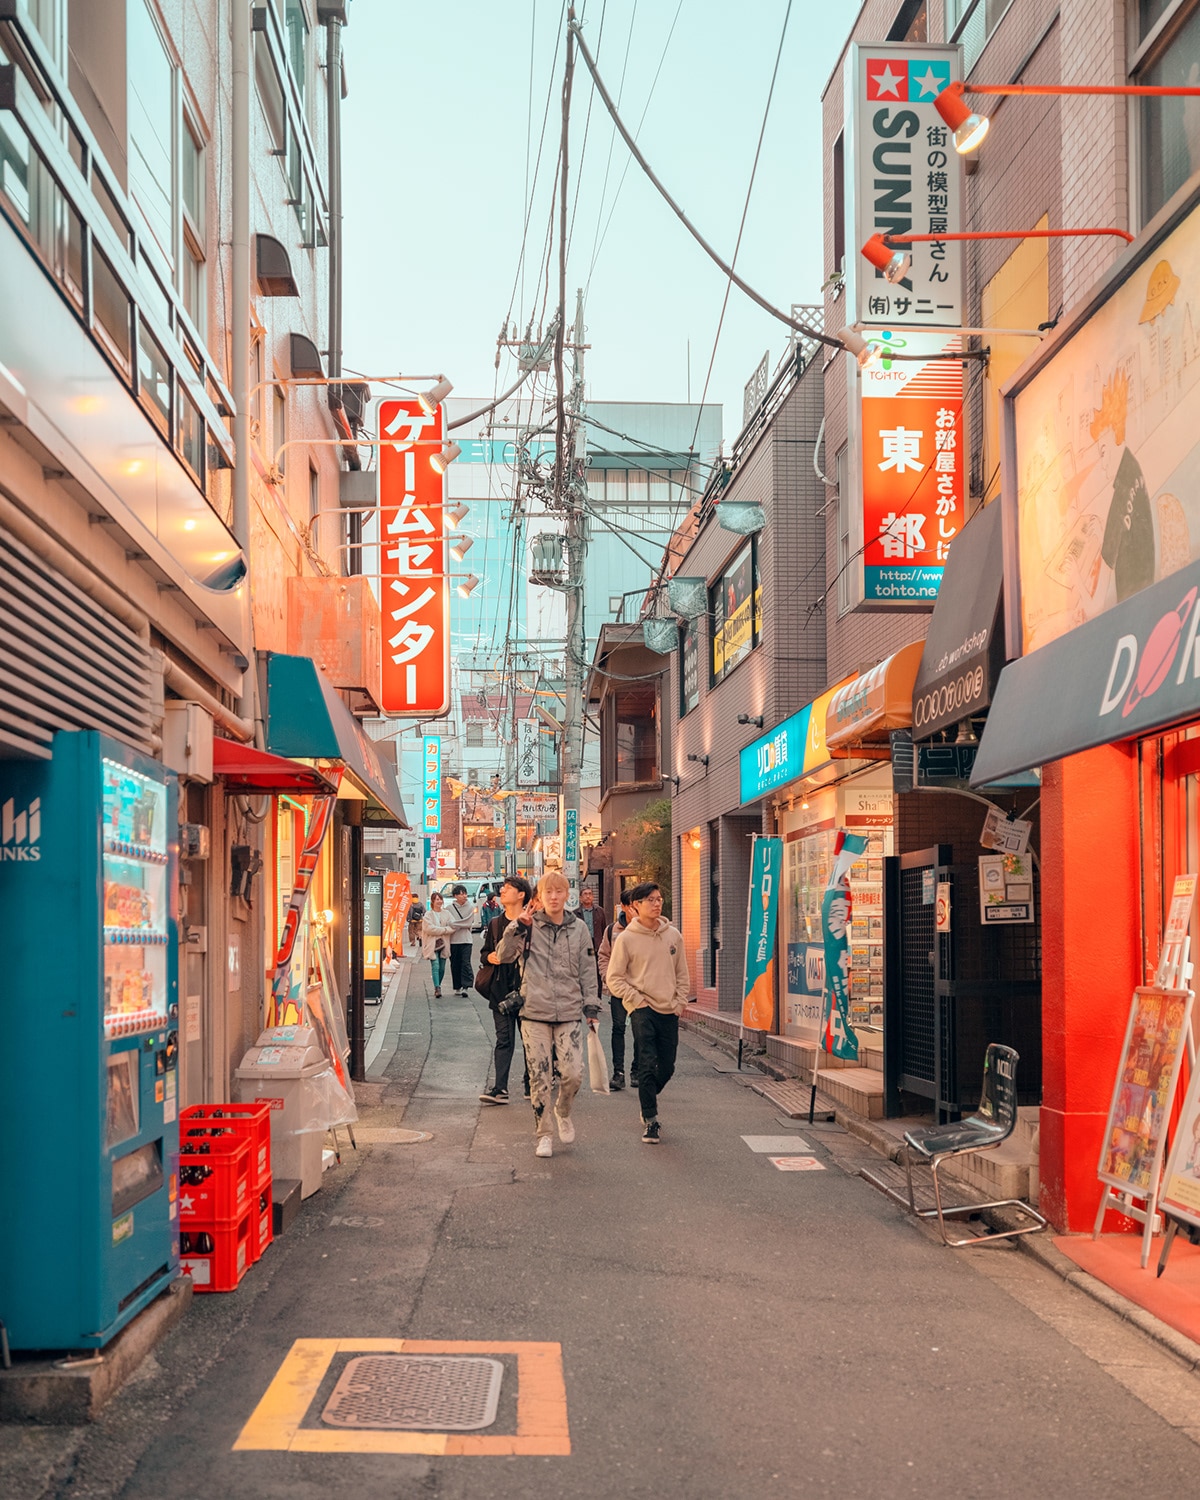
(811, 333)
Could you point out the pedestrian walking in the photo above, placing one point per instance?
(558, 988)
(462, 914)
(593, 917)
(502, 982)
(616, 1008)
(436, 928)
(490, 910)
(416, 913)
(647, 970)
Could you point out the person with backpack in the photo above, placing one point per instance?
(491, 908)
(496, 981)
(558, 988)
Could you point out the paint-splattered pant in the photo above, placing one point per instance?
(545, 1043)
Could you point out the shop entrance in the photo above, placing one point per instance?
(951, 993)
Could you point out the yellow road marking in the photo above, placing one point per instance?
(542, 1427)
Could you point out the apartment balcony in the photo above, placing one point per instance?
(99, 362)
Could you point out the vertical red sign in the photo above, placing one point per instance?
(415, 591)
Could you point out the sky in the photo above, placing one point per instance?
(441, 136)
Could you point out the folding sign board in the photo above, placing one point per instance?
(415, 588)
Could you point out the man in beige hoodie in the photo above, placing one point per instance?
(649, 975)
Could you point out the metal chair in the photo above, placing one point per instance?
(991, 1125)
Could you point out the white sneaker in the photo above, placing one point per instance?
(566, 1128)
(545, 1146)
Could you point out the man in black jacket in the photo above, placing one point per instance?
(515, 894)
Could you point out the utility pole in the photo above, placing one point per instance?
(573, 492)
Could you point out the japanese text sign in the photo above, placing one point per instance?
(415, 591)
(529, 771)
(758, 991)
(903, 176)
(431, 785)
(909, 461)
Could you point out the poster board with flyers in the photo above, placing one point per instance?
(1135, 1133)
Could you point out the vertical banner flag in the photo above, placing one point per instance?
(397, 898)
(529, 770)
(372, 933)
(431, 785)
(838, 1036)
(283, 1008)
(758, 993)
(905, 451)
(412, 563)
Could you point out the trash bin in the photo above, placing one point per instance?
(279, 1068)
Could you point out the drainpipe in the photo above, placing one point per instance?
(239, 313)
(333, 17)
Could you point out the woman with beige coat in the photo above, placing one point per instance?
(436, 927)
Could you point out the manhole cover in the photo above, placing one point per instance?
(444, 1393)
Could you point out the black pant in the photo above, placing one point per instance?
(619, 1017)
(508, 1028)
(460, 966)
(656, 1038)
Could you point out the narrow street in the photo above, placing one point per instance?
(726, 1328)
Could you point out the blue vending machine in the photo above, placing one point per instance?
(89, 1231)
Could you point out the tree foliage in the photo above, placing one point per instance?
(647, 838)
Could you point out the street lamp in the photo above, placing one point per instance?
(970, 128)
(880, 250)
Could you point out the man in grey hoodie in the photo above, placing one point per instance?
(558, 987)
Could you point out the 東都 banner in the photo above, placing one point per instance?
(758, 993)
(907, 471)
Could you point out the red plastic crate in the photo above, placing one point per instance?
(251, 1120)
(221, 1268)
(261, 1216)
(225, 1192)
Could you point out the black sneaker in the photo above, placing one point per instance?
(617, 1081)
(652, 1133)
(495, 1096)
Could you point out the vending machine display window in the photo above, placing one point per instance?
(123, 1113)
(135, 901)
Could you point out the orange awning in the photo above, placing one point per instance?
(865, 711)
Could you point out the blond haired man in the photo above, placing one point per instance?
(558, 988)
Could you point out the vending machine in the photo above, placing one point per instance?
(89, 1233)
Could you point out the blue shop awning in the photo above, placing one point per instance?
(306, 718)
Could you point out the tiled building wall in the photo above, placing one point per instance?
(784, 672)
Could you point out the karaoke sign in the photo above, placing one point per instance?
(415, 589)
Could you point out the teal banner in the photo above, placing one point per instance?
(758, 993)
(839, 1036)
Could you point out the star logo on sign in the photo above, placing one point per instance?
(887, 78)
(187, 1203)
(928, 84)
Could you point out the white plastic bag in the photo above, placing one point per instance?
(597, 1062)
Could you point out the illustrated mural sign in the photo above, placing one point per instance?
(839, 1037)
(1107, 474)
(1134, 1138)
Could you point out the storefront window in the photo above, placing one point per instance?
(735, 604)
(1169, 133)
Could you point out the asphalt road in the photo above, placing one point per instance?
(727, 1329)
